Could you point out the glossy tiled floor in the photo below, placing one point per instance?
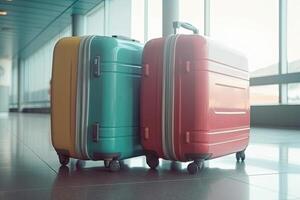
(29, 170)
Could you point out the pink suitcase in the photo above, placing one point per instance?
(194, 100)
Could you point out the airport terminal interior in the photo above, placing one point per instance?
(266, 33)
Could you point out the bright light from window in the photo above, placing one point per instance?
(154, 19)
(267, 94)
(137, 20)
(293, 35)
(95, 21)
(192, 11)
(294, 93)
(250, 26)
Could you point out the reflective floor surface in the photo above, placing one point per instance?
(29, 169)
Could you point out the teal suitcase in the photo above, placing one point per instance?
(95, 94)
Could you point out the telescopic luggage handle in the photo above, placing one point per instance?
(188, 26)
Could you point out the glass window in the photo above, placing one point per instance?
(294, 93)
(36, 72)
(154, 19)
(267, 94)
(137, 20)
(14, 85)
(293, 39)
(250, 26)
(293, 156)
(119, 20)
(95, 21)
(192, 11)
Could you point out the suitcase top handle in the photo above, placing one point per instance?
(177, 25)
(124, 38)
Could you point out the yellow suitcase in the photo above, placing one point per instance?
(63, 97)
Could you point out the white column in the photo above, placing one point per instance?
(283, 66)
(5, 80)
(20, 86)
(78, 25)
(170, 14)
(207, 17)
(146, 16)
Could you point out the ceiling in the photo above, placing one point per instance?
(30, 23)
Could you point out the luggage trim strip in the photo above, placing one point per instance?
(230, 113)
(78, 100)
(82, 103)
(171, 67)
(225, 142)
(168, 98)
(82, 94)
(87, 68)
(216, 72)
(83, 100)
(228, 131)
(163, 101)
(226, 65)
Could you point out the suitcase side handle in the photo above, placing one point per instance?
(188, 26)
(96, 66)
(125, 38)
(95, 131)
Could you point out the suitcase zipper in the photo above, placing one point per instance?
(85, 126)
(82, 103)
(79, 99)
(168, 98)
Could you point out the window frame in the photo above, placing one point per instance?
(283, 78)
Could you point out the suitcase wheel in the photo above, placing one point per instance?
(106, 163)
(64, 160)
(80, 164)
(195, 166)
(200, 164)
(240, 156)
(152, 161)
(114, 166)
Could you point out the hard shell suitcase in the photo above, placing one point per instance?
(194, 100)
(95, 90)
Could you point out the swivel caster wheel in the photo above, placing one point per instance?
(80, 164)
(114, 166)
(200, 164)
(193, 168)
(240, 156)
(152, 161)
(106, 163)
(64, 160)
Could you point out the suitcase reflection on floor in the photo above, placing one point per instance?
(134, 182)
